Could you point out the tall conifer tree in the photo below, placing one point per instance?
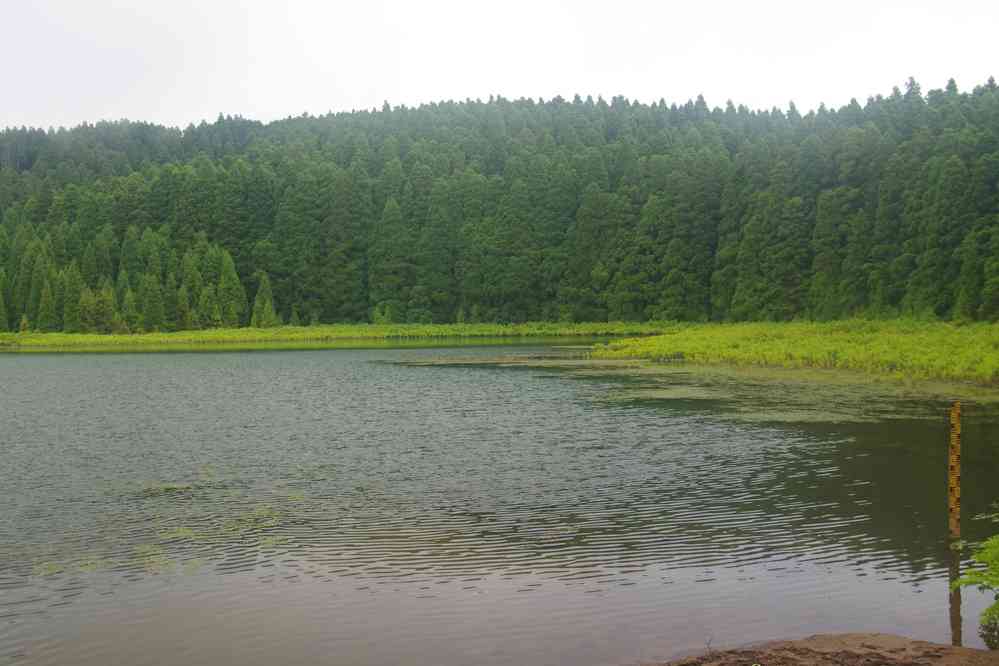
(264, 315)
(47, 320)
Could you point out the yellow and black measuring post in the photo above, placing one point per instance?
(954, 520)
(954, 472)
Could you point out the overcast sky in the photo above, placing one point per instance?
(178, 61)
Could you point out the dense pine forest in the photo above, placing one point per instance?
(508, 211)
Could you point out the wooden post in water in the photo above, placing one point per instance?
(954, 520)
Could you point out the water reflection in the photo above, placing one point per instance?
(954, 598)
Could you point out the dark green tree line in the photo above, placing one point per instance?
(506, 210)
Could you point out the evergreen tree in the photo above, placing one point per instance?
(58, 281)
(989, 308)
(47, 320)
(170, 302)
(131, 264)
(391, 272)
(209, 312)
(969, 285)
(3, 308)
(88, 308)
(88, 266)
(264, 315)
(185, 316)
(105, 308)
(231, 295)
(515, 210)
(118, 325)
(151, 302)
(131, 316)
(122, 284)
(191, 275)
(4, 318)
(39, 278)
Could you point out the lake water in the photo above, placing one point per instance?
(336, 507)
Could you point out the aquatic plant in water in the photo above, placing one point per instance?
(986, 578)
(48, 568)
(179, 534)
(153, 558)
(165, 489)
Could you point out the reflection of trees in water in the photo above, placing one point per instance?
(873, 478)
(897, 472)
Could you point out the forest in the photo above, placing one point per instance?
(508, 211)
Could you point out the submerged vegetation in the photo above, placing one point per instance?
(909, 349)
(179, 531)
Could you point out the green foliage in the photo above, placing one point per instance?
(151, 297)
(130, 314)
(73, 287)
(47, 320)
(88, 308)
(988, 626)
(910, 349)
(263, 315)
(186, 319)
(513, 211)
(986, 578)
(170, 302)
(105, 308)
(209, 312)
(332, 335)
(231, 295)
(3, 304)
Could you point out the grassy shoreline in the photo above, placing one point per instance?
(900, 348)
(333, 335)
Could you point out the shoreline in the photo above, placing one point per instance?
(904, 349)
(891, 349)
(854, 649)
(330, 336)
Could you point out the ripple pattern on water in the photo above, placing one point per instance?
(442, 483)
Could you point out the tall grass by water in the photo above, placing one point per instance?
(908, 349)
(326, 335)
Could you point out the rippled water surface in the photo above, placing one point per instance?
(337, 507)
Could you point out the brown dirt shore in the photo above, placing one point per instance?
(845, 650)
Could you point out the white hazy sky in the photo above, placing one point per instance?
(180, 61)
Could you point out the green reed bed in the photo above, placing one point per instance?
(330, 335)
(909, 349)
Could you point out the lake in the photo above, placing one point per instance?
(338, 506)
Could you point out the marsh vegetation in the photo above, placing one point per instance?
(915, 350)
(327, 336)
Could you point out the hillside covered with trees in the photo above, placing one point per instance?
(509, 211)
